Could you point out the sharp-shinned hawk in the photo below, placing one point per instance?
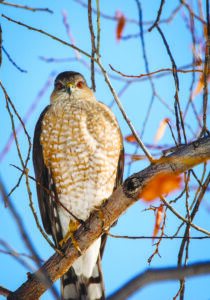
(78, 157)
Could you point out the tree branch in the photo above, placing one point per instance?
(126, 195)
(155, 275)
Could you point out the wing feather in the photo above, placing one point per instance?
(46, 198)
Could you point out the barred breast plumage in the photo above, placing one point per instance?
(81, 144)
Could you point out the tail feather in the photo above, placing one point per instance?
(75, 287)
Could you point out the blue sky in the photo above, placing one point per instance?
(122, 259)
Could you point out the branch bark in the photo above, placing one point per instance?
(126, 195)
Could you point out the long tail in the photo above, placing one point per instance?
(75, 287)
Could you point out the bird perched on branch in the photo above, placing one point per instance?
(78, 157)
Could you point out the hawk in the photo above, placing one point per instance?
(78, 161)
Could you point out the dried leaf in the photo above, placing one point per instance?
(130, 139)
(161, 130)
(162, 184)
(199, 86)
(120, 24)
(159, 216)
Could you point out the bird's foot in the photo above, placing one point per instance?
(70, 234)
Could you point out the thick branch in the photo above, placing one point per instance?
(126, 195)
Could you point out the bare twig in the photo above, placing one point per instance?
(92, 35)
(176, 96)
(146, 63)
(152, 237)
(155, 72)
(115, 18)
(14, 253)
(206, 70)
(158, 16)
(17, 256)
(27, 116)
(186, 234)
(151, 159)
(21, 227)
(27, 7)
(183, 219)
(49, 35)
(13, 62)
(98, 29)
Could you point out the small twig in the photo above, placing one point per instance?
(17, 256)
(151, 159)
(92, 35)
(169, 125)
(176, 81)
(152, 237)
(8, 101)
(98, 29)
(159, 241)
(146, 63)
(20, 225)
(13, 62)
(115, 18)
(49, 35)
(155, 72)
(186, 234)
(158, 16)
(192, 12)
(27, 7)
(183, 219)
(25, 119)
(206, 71)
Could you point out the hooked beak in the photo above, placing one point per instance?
(68, 89)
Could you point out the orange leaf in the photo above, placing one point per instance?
(162, 184)
(159, 216)
(130, 138)
(120, 24)
(161, 130)
(199, 86)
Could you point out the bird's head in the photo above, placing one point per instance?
(70, 85)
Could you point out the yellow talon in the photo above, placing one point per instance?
(70, 233)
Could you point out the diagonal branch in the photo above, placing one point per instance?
(126, 195)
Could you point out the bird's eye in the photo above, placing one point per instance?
(60, 86)
(80, 84)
